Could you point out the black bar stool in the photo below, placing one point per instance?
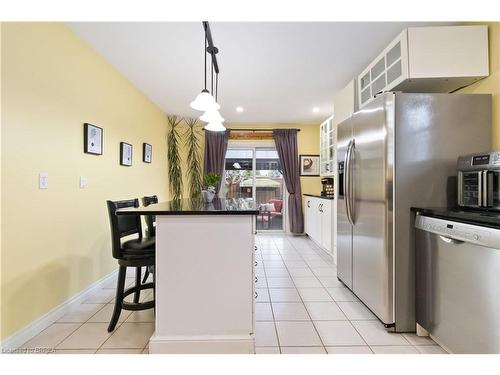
(138, 253)
(151, 229)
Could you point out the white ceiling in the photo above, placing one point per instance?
(278, 72)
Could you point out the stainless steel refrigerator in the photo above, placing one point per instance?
(397, 152)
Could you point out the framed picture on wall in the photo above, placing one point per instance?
(125, 154)
(92, 139)
(309, 165)
(147, 152)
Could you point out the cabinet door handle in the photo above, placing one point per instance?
(309, 204)
(255, 248)
(256, 263)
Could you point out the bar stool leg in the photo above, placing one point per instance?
(146, 275)
(120, 288)
(137, 294)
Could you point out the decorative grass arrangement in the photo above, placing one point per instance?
(194, 171)
(174, 158)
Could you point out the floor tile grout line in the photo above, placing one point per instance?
(59, 342)
(119, 324)
(348, 321)
(307, 311)
(76, 329)
(115, 330)
(270, 303)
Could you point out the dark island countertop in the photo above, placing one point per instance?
(469, 216)
(319, 196)
(219, 206)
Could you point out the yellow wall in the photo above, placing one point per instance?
(1, 331)
(308, 143)
(491, 84)
(56, 242)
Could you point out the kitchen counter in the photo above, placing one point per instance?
(204, 276)
(485, 218)
(318, 196)
(218, 206)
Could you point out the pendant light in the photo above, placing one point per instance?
(212, 116)
(204, 101)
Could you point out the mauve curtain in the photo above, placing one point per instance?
(286, 145)
(215, 153)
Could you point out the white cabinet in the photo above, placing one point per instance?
(427, 59)
(319, 222)
(326, 219)
(327, 139)
(192, 313)
(345, 103)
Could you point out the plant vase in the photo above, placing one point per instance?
(208, 196)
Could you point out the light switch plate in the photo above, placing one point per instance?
(83, 182)
(43, 180)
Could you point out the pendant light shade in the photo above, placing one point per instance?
(212, 115)
(215, 127)
(204, 102)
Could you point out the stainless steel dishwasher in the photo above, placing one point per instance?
(458, 281)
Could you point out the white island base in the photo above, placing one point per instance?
(204, 277)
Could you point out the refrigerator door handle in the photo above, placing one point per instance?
(351, 182)
(347, 182)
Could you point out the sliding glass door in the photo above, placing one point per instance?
(255, 173)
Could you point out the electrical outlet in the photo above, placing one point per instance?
(83, 182)
(43, 180)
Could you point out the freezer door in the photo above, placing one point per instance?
(372, 208)
(344, 228)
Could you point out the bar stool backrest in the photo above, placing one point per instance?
(123, 225)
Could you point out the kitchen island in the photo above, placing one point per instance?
(204, 275)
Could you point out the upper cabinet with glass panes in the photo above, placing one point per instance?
(427, 59)
(327, 139)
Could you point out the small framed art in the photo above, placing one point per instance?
(147, 152)
(92, 139)
(125, 154)
(309, 165)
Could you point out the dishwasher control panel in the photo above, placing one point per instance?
(457, 231)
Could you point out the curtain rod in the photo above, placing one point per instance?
(258, 130)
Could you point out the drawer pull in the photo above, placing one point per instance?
(256, 279)
(256, 263)
(255, 248)
(256, 295)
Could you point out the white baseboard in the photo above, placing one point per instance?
(34, 328)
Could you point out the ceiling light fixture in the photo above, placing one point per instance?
(205, 100)
(315, 109)
(239, 109)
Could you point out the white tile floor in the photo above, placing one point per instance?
(301, 309)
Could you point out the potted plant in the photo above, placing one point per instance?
(210, 181)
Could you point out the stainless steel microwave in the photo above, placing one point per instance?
(479, 181)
